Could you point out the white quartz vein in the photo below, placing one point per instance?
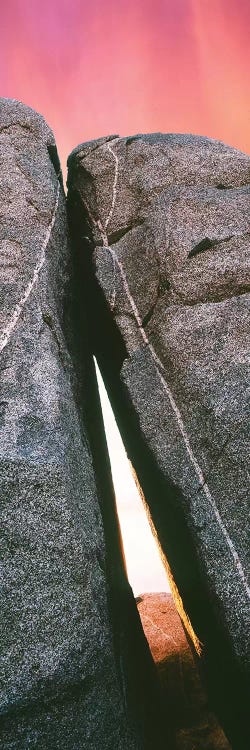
(8, 331)
(161, 369)
(107, 222)
(198, 471)
(97, 222)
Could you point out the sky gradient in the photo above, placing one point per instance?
(127, 66)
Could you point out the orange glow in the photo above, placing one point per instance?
(145, 570)
(147, 566)
(172, 585)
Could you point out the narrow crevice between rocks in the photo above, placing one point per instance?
(163, 499)
(170, 637)
(165, 505)
(54, 158)
(135, 667)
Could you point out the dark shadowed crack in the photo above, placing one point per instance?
(15, 124)
(217, 298)
(31, 203)
(163, 286)
(116, 236)
(54, 158)
(149, 314)
(207, 244)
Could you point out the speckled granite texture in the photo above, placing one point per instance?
(165, 225)
(60, 687)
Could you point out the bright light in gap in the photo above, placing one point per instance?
(146, 572)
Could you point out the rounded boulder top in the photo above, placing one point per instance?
(13, 112)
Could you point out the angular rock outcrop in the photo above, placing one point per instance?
(194, 724)
(162, 225)
(68, 671)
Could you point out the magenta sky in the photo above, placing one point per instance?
(129, 66)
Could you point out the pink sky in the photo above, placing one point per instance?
(127, 66)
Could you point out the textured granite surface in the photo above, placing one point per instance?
(164, 223)
(61, 684)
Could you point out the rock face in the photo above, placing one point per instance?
(65, 667)
(194, 724)
(163, 224)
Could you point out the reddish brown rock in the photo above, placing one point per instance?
(196, 727)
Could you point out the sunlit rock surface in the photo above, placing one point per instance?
(161, 223)
(195, 726)
(64, 670)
